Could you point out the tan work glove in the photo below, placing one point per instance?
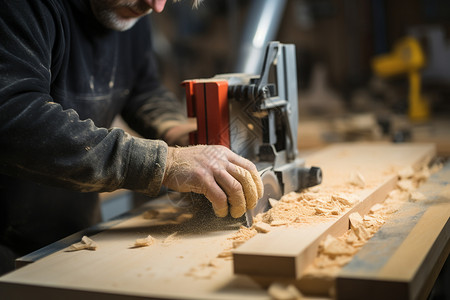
(216, 172)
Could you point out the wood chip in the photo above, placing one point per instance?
(262, 227)
(279, 222)
(85, 244)
(170, 239)
(149, 240)
(356, 179)
(279, 291)
(375, 208)
(273, 202)
(346, 200)
(355, 220)
(417, 196)
(334, 247)
(406, 173)
(405, 185)
(225, 254)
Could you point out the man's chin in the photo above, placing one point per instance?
(123, 25)
(119, 24)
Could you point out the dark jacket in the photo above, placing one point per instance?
(63, 79)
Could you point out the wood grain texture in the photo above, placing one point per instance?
(287, 252)
(161, 271)
(404, 257)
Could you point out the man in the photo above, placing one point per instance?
(68, 67)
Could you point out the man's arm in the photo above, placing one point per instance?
(41, 141)
(152, 110)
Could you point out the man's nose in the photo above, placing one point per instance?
(157, 5)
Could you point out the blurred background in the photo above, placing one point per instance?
(367, 70)
(361, 64)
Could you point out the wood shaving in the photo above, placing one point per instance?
(85, 244)
(355, 178)
(406, 185)
(406, 173)
(296, 209)
(170, 239)
(375, 208)
(334, 247)
(273, 202)
(279, 291)
(355, 220)
(417, 196)
(335, 252)
(225, 254)
(144, 242)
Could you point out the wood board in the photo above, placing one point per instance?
(287, 252)
(404, 257)
(115, 271)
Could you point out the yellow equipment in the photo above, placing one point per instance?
(407, 57)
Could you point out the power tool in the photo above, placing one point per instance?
(256, 116)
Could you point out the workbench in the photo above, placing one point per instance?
(415, 244)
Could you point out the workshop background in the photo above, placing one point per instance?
(340, 96)
(341, 99)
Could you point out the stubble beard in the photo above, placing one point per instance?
(107, 15)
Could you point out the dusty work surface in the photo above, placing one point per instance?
(184, 262)
(405, 256)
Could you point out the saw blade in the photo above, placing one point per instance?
(272, 190)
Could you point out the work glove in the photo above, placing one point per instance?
(222, 176)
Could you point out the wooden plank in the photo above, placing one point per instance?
(118, 271)
(164, 271)
(287, 252)
(404, 257)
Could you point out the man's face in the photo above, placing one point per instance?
(123, 14)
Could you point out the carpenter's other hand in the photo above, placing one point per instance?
(224, 177)
(179, 135)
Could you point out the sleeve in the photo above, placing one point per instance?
(41, 141)
(152, 109)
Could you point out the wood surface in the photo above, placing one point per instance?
(287, 252)
(164, 271)
(405, 256)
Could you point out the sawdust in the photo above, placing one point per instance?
(293, 210)
(167, 215)
(317, 205)
(311, 206)
(236, 239)
(336, 252)
(85, 244)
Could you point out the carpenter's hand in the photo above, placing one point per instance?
(216, 172)
(179, 135)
